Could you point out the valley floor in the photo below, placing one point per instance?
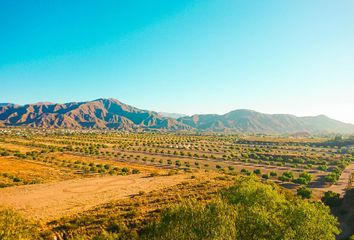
(46, 202)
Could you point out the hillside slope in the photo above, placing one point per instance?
(248, 121)
(100, 114)
(113, 114)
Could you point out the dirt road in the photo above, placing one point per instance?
(342, 183)
(50, 201)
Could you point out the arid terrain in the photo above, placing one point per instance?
(47, 202)
(52, 175)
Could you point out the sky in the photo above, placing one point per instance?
(206, 56)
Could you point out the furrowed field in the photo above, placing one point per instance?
(116, 185)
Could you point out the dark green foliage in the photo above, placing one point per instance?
(301, 181)
(245, 171)
(231, 168)
(331, 199)
(304, 192)
(304, 179)
(332, 177)
(322, 168)
(286, 177)
(135, 171)
(265, 176)
(257, 171)
(289, 175)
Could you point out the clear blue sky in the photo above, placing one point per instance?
(206, 56)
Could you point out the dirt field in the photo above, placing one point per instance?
(51, 201)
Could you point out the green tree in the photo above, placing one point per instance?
(304, 192)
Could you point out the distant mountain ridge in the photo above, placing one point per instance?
(113, 114)
(99, 114)
(249, 121)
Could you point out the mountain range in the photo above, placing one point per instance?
(99, 114)
(113, 114)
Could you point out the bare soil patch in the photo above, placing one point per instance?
(46, 202)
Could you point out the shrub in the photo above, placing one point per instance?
(322, 168)
(306, 176)
(301, 181)
(331, 199)
(16, 179)
(231, 168)
(265, 176)
(288, 175)
(245, 171)
(125, 170)
(135, 171)
(257, 171)
(304, 192)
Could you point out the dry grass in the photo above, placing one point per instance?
(30, 170)
(135, 211)
(54, 200)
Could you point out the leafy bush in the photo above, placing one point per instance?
(304, 178)
(245, 171)
(301, 181)
(288, 175)
(135, 171)
(332, 177)
(331, 199)
(304, 192)
(265, 176)
(322, 168)
(257, 171)
(231, 168)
